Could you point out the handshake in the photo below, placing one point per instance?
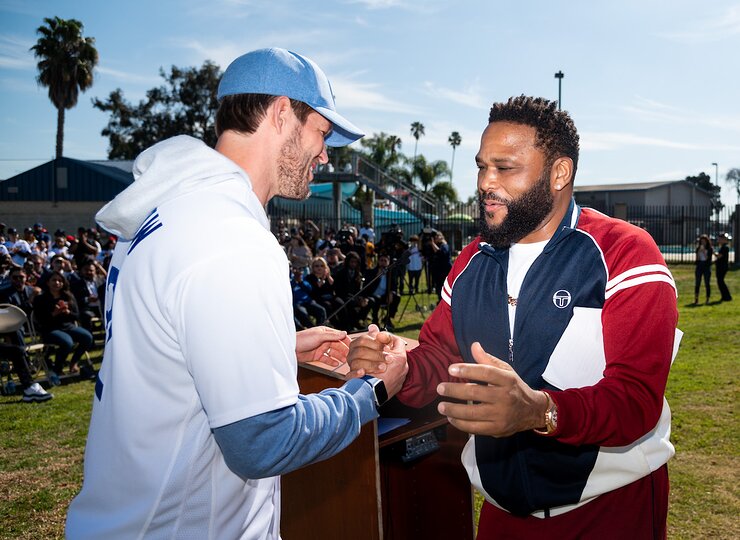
(374, 353)
(381, 355)
(484, 398)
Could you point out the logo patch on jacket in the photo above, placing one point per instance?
(561, 299)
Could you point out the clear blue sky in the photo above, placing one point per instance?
(652, 85)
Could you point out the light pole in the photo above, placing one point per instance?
(716, 173)
(559, 76)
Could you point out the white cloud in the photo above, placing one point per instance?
(470, 96)
(15, 53)
(647, 108)
(355, 95)
(129, 77)
(427, 7)
(616, 140)
(219, 9)
(225, 52)
(718, 28)
(379, 4)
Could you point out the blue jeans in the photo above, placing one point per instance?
(65, 341)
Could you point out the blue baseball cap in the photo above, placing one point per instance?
(278, 72)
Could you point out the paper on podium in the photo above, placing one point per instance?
(338, 372)
(578, 359)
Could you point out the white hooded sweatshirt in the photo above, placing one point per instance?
(198, 283)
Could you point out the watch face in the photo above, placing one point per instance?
(381, 394)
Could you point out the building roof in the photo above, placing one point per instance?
(97, 180)
(635, 186)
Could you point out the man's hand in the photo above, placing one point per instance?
(502, 406)
(322, 343)
(381, 355)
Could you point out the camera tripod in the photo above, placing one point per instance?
(411, 296)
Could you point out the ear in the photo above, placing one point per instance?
(279, 114)
(561, 173)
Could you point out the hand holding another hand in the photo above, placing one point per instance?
(381, 355)
(322, 343)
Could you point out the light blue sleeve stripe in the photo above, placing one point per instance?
(317, 427)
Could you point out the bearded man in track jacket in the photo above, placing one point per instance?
(564, 320)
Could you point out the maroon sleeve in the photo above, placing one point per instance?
(437, 348)
(639, 319)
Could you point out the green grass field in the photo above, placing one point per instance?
(41, 445)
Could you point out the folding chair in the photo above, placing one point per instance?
(12, 319)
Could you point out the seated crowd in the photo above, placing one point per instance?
(345, 278)
(59, 284)
(341, 278)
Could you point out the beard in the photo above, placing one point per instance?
(523, 214)
(294, 167)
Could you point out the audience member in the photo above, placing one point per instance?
(31, 240)
(368, 230)
(383, 289)
(41, 234)
(347, 284)
(721, 265)
(322, 291)
(440, 263)
(414, 265)
(60, 245)
(347, 243)
(85, 285)
(326, 243)
(58, 263)
(83, 247)
(18, 248)
(304, 306)
(6, 264)
(703, 269)
(334, 259)
(299, 254)
(21, 295)
(32, 391)
(58, 316)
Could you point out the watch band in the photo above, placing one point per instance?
(551, 417)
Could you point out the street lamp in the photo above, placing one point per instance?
(559, 76)
(716, 173)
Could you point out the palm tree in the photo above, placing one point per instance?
(417, 131)
(444, 192)
(66, 63)
(428, 173)
(454, 140)
(382, 149)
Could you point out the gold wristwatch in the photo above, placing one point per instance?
(551, 417)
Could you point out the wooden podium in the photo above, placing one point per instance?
(405, 485)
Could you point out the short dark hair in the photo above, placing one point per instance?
(556, 133)
(244, 112)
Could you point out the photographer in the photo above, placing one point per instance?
(440, 261)
(392, 243)
(348, 243)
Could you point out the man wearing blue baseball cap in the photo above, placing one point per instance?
(197, 409)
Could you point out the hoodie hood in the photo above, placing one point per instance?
(167, 170)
